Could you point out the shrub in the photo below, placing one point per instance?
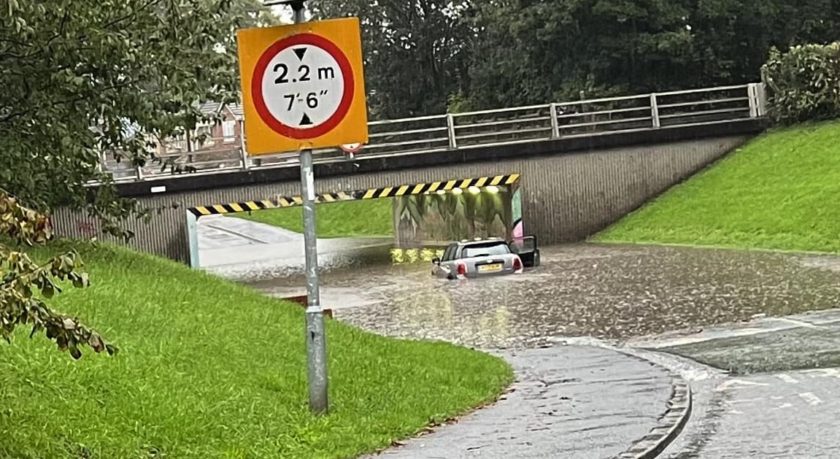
(804, 83)
(24, 284)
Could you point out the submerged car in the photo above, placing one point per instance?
(486, 257)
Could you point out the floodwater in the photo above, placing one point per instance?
(607, 292)
(242, 250)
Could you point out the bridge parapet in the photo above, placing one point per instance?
(478, 129)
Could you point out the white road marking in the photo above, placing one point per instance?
(737, 382)
(787, 378)
(798, 323)
(702, 337)
(812, 399)
(746, 400)
(830, 372)
(785, 405)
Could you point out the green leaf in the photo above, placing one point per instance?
(48, 290)
(75, 352)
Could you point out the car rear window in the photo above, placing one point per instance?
(488, 249)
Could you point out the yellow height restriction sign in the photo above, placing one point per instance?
(303, 86)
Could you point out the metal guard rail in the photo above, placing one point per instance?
(485, 128)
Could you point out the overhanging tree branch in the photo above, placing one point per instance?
(22, 277)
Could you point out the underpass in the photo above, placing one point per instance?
(418, 218)
(582, 164)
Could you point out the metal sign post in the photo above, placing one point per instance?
(316, 337)
(303, 88)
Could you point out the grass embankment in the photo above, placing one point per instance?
(369, 217)
(778, 192)
(211, 369)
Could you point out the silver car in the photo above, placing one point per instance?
(469, 259)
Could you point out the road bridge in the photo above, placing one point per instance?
(578, 166)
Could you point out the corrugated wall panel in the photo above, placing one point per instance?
(565, 197)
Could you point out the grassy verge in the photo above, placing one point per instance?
(211, 369)
(778, 192)
(369, 217)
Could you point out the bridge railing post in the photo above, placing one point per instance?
(243, 154)
(654, 111)
(555, 123)
(450, 128)
(761, 98)
(757, 99)
(243, 159)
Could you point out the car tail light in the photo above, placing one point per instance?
(462, 269)
(517, 264)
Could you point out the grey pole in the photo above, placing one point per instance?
(316, 337)
(299, 11)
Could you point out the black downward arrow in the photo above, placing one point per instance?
(306, 121)
(300, 52)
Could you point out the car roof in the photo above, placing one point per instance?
(482, 242)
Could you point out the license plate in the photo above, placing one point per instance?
(490, 268)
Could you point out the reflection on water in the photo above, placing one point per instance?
(426, 255)
(423, 305)
(334, 257)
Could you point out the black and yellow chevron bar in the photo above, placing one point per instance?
(425, 188)
(280, 202)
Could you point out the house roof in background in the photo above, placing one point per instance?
(213, 108)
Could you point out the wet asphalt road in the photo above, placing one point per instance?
(606, 292)
(777, 398)
(780, 415)
(567, 402)
(799, 342)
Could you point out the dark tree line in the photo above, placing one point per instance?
(427, 56)
(416, 51)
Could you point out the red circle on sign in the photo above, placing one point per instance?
(346, 98)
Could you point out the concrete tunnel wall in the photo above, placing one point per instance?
(566, 197)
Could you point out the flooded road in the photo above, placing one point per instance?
(606, 292)
(243, 250)
(725, 320)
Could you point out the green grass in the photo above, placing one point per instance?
(369, 217)
(212, 369)
(779, 192)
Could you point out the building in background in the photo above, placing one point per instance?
(221, 133)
